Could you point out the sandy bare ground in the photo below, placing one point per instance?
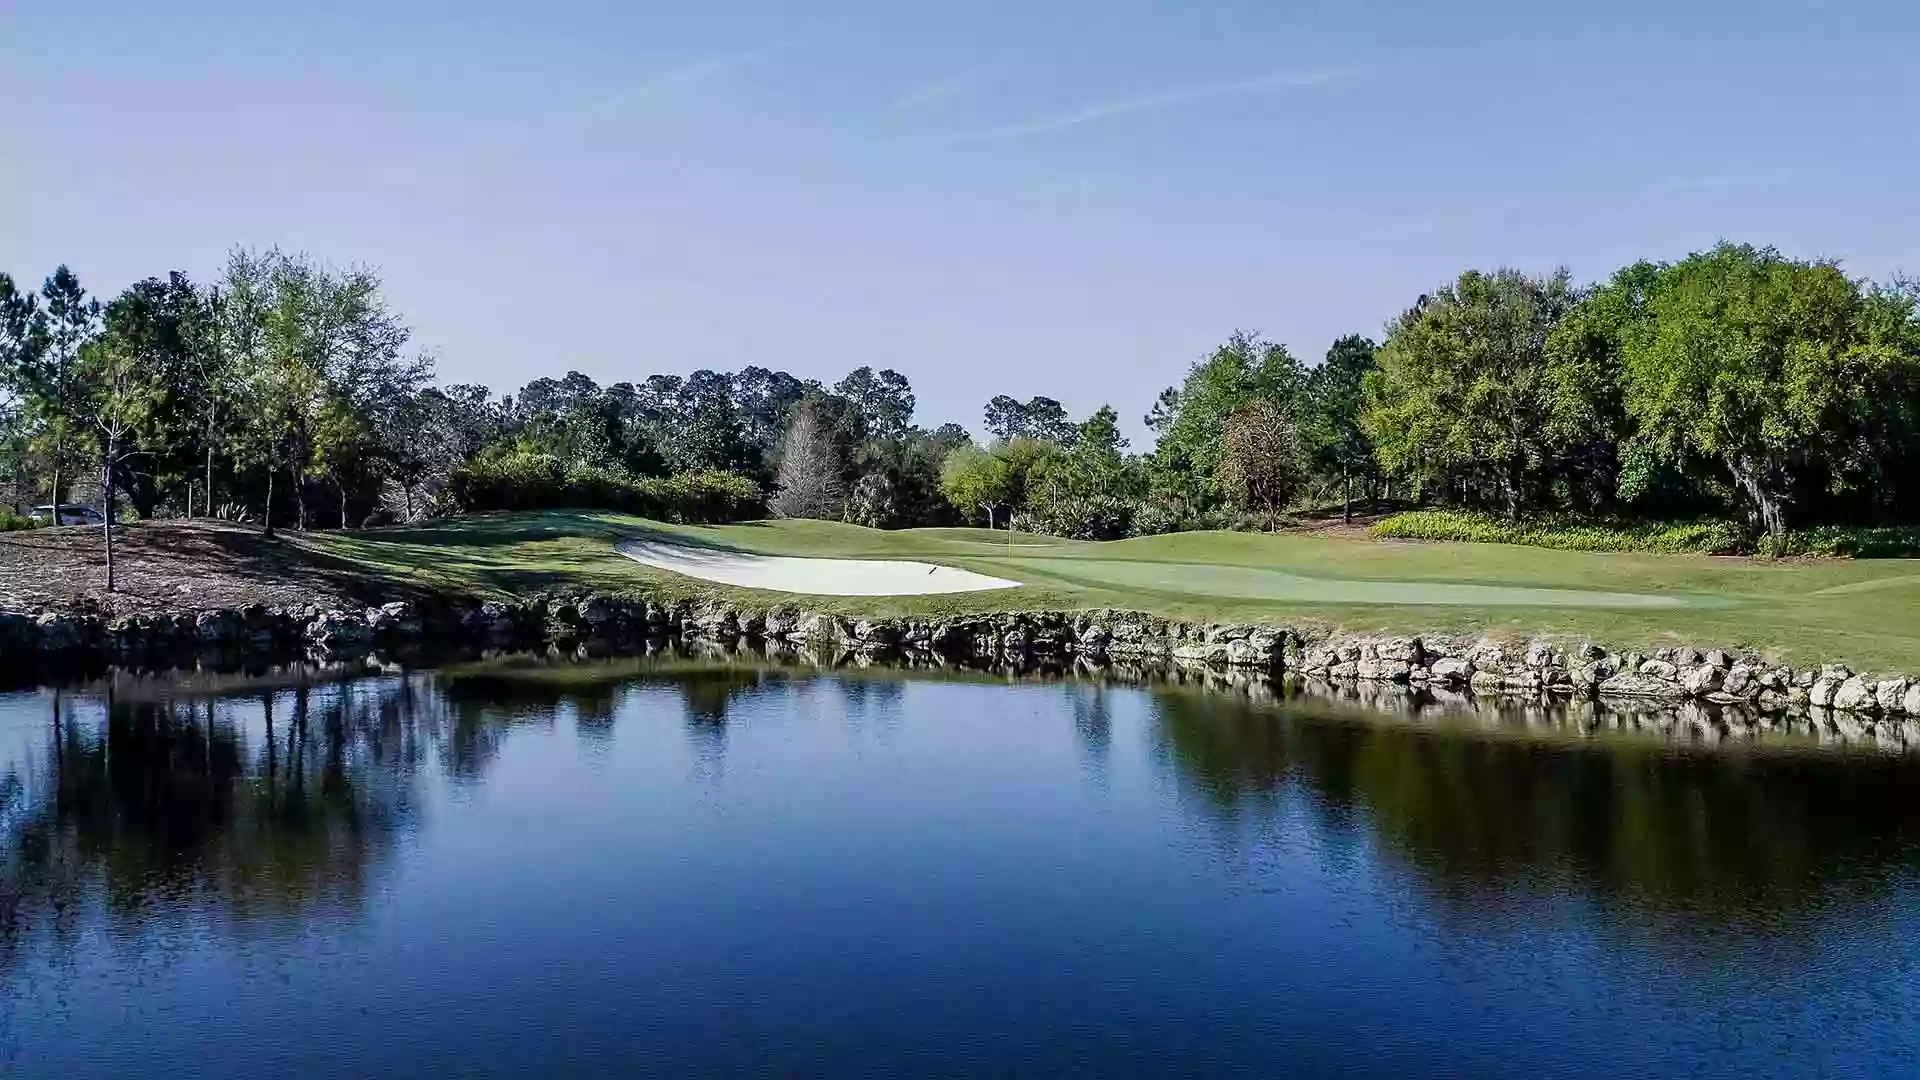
(820, 577)
(172, 566)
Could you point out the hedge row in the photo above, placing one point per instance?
(1698, 537)
(1704, 537)
(522, 481)
(1853, 542)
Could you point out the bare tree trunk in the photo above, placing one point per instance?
(1767, 510)
(56, 486)
(273, 772)
(1515, 481)
(342, 485)
(267, 515)
(206, 494)
(106, 507)
(299, 499)
(1346, 489)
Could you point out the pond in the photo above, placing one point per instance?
(515, 868)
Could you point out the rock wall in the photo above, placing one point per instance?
(607, 624)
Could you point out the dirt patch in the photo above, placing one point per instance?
(176, 566)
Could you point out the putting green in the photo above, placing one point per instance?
(1253, 583)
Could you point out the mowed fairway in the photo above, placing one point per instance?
(1862, 612)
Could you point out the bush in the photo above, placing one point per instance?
(1571, 534)
(1079, 517)
(532, 481)
(12, 522)
(1850, 542)
(1152, 518)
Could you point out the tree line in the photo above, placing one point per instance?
(1736, 382)
(285, 393)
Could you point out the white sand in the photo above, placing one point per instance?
(821, 577)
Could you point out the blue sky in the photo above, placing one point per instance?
(1073, 198)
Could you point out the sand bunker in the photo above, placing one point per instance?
(820, 577)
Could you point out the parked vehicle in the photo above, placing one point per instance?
(70, 514)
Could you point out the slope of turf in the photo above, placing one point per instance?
(1861, 612)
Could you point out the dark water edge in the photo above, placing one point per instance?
(1693, 724)
(707, 862)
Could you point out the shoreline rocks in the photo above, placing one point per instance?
(1437, 663)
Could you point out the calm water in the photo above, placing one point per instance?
(627, 870)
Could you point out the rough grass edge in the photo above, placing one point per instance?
(1659, 537)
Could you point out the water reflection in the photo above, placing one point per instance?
(1753, 838)
(248, 808)
(290, 792)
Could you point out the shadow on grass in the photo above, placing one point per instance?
(504, 530)
(515, 553)
(253, 556)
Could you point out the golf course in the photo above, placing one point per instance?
(1863, 612)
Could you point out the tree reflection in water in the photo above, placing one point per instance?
(287, 801)
(288, 793)
(1743, 837)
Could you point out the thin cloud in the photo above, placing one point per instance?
(1410, 229)
(565, 120)
(692, 73)
(1173, 98)
(940, 91)
(1719, 182)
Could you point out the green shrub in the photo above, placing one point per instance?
(1152, 518)
(12, 522)
(1851, 542)
(518, 480)
(714, 496)
(1571, 534)
(510, 481)
(1079, 517)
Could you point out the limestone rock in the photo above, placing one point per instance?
(1703, 679)
(338, 630)
(1384, 670)
(1890, 694)
(1853, 695)
(1486, 680)
(1400, 650)
(1202, 652)
(397, 617)
(818, 628)
(1641, 685)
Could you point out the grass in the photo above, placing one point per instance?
(1863, 612)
